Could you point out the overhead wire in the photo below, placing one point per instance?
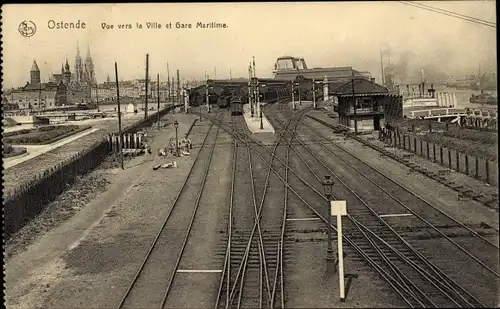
(450, 13)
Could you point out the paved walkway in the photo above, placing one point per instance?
(36, 150)
(253, 124)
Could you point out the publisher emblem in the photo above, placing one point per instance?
(27, 28)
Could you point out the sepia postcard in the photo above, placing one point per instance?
(250, 155)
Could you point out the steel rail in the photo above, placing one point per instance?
(227, 260)
(401, 185)
(148, 254)
(262, 252)
(380, 270)
(369, 260)
(369, 240)
(401, 203)
(198, 199)
(279, 258)
(391, 265)
(243, 263)
(432, 266)
(419, 270)
(266, 185)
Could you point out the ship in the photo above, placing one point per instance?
(483, 98)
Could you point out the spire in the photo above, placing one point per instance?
(62, 68)
(34, 67)
(88, 50)
(77, 49)
(67, 65)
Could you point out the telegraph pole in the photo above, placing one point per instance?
(354, 103)
(158, 98)
(146, 103)
(178, 88)
(119, 117)
(168, 83)
(173, 100)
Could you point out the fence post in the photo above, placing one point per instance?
(477, 167)
(441, 154)
(415, 144)
(449, 157)
(457, 156)
(404, 142)
(433, 152)
(427, 149)
(466, 164)
(421, 148)
(487, 166)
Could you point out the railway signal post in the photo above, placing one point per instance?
(314, 94)
(207, 98)
(293, 97)
(339, 209)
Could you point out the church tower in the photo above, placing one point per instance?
(34, 74)
(89, 67)
(78, 65)
(66, 74)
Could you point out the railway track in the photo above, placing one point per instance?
(442, 291)
(487, 200)
(438, 222)
(365, 228)
(153, 280)
(253, 271)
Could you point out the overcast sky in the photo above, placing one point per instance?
(325, 34)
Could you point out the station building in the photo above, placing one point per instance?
(374, 105)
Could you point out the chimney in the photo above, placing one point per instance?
(372, 80)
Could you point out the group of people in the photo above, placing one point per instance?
(184, 146)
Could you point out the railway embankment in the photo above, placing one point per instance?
(90, 242)
(32, 184)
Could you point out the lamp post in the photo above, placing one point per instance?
(261, 124)
(293, 96)
(328, 188)
(176, 125)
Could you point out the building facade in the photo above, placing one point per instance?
(366, 105)
(64, 88)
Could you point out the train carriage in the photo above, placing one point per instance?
(236, 107)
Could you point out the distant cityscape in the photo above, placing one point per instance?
(80, 87)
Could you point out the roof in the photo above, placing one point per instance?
(361, 87)
(42, 86)
(34, 67)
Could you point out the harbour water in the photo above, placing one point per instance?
(463, 96)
